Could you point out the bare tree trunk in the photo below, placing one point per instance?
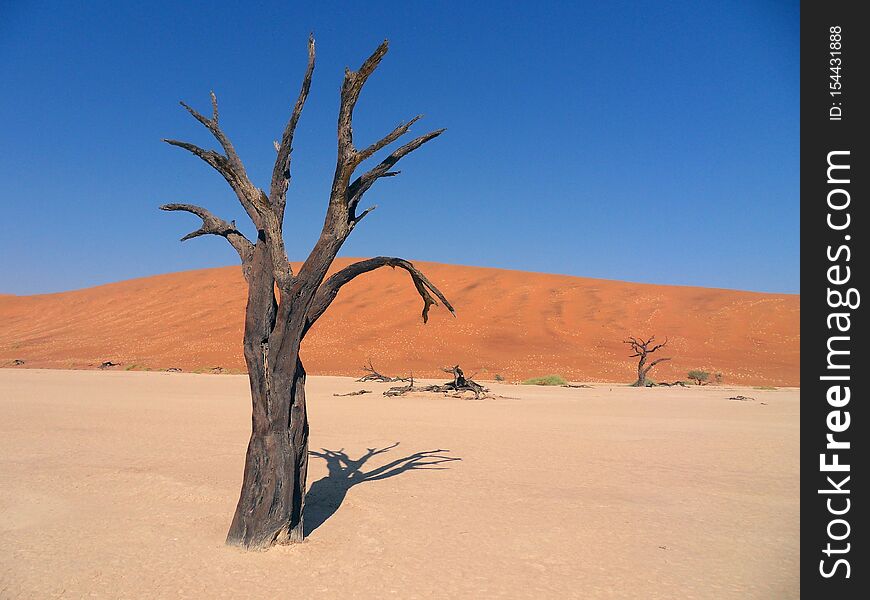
(270, 504)
(641, 374)
(271, 501)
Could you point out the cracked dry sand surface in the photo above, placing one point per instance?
(122, 485)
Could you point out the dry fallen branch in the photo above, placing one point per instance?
(373, 375)
(402, 389)
(356, 393)
(461, 384)
(456, 388)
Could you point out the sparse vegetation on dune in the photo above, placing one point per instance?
(546, 380)
(698, 376)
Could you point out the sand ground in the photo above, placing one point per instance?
(122, 485)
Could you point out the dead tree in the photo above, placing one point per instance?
(642, 349)
(283, 305)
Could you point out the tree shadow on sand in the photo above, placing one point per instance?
(326, 495)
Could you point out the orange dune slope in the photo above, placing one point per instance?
(510, 323)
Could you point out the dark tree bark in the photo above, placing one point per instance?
(641, 350)
(271, 504)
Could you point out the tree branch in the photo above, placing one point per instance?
(385, 141)
(215, 226)
(657, 346)
(636, 347)
(229, 164)
(330, 288)
(213, 126)
(281, 171)
(654, 363)
(657, 361)
(254, 201)
(365, 181)
(239, 182)
(341, 213)
(351, 87)
(350, 91)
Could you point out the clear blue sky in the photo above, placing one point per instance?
(643, 141)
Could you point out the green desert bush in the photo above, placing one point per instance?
(546, 380)
(498, 377)
(698, 376)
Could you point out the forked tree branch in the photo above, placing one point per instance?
(341, 214)
(365, 181)
(641, 347)
(212, 225)
(229, 164)
(281, 171)
(349, 158)
(350, 91)
(274, 231)
(214, 128)
(267, 212)
(330, 288)
(385, 141)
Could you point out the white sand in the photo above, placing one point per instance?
(122, 485)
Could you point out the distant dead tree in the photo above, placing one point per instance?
(642, 349)
(270, 507)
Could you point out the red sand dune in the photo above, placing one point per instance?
(511, 323)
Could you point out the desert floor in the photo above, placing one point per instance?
(123, 484)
